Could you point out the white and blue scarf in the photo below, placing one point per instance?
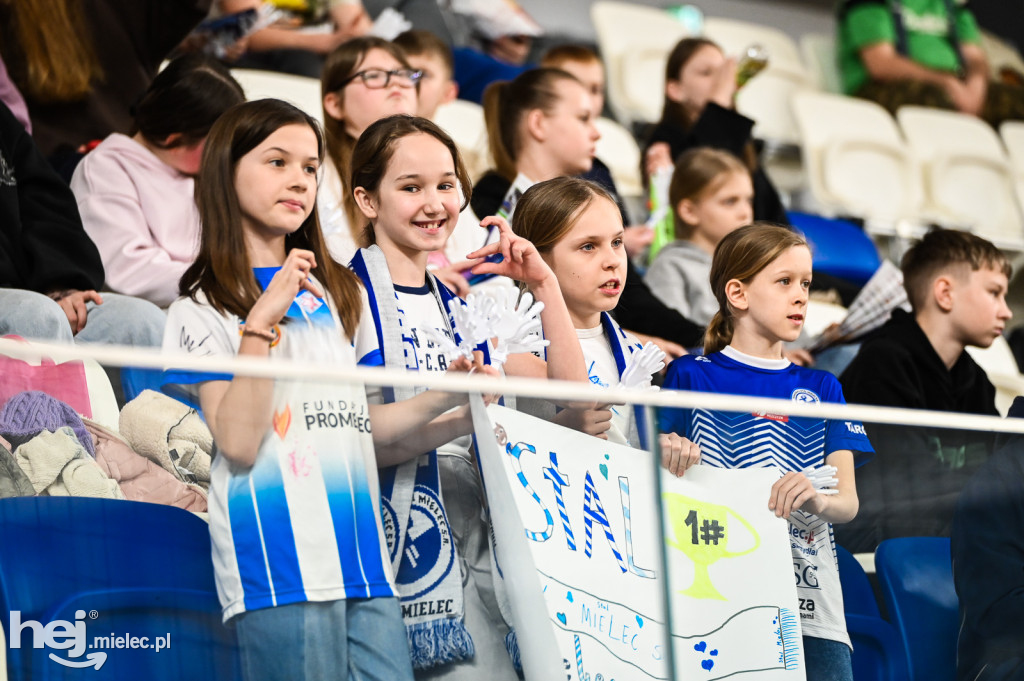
(420, 544)
(621, 350)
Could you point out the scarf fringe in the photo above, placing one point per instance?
(439, 642)
(512, 645)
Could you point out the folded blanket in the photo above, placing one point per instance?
(169, 433)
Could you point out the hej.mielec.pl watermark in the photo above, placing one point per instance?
(72, 637)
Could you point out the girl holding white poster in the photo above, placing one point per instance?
(761, 275)
(577, 228)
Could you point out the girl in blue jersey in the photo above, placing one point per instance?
(577, 227)
(298, 544)
(761, 275)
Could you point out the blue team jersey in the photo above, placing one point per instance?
(745, 439)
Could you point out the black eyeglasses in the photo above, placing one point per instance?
(377, 79)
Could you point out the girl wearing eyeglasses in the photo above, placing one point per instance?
(364, 80)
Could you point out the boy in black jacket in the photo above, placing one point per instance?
(50, 270)
(956, 283)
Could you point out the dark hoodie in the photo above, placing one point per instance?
(912, 485)
(43, 247)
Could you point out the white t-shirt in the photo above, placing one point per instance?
(303, 523)
(601, 369)
(419, 308)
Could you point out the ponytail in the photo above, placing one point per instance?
(718, 333)
(507, 103)
(501, 133)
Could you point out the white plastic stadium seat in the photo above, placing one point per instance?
(857, 162)
(635, 41)
(767, 97)
(620, 152)
(464, 121)
(301, 91)
(1012, 133)
(967, 175)
(819, 54)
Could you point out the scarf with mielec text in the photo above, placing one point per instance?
(420, 543)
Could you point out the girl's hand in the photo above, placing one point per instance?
(672, 350)
(723, 90)
(658, 156)
(678, 453)
(522, 261)
(793, 491)
(73, 303)
(595, 421)
(799, 356)
(463, 365)
(293, 277)
(451, 276)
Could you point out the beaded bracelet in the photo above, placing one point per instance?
(273, 336)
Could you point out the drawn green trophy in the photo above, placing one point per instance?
(701, 532)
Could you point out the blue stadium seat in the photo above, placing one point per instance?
(878, 653)
(119, 570)
(916, 575)
(840, 247)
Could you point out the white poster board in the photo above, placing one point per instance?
(578, 536)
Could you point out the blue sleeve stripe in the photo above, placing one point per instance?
(184, 377)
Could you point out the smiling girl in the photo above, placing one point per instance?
(407, 173)
(761, 275)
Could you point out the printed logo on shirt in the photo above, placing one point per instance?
(856, 428)
(702, 358)
(781, 418)
(594, 378)
(805, 395)
(929, 23)
(422, 354)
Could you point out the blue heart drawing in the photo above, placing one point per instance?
(568, 596)
(700, 647)
(640, 621)
(713, 652)
(707, 664)
(604, 471)
(561, 617)
(607, 458)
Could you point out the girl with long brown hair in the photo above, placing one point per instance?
(298, 542)
(761, 275)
